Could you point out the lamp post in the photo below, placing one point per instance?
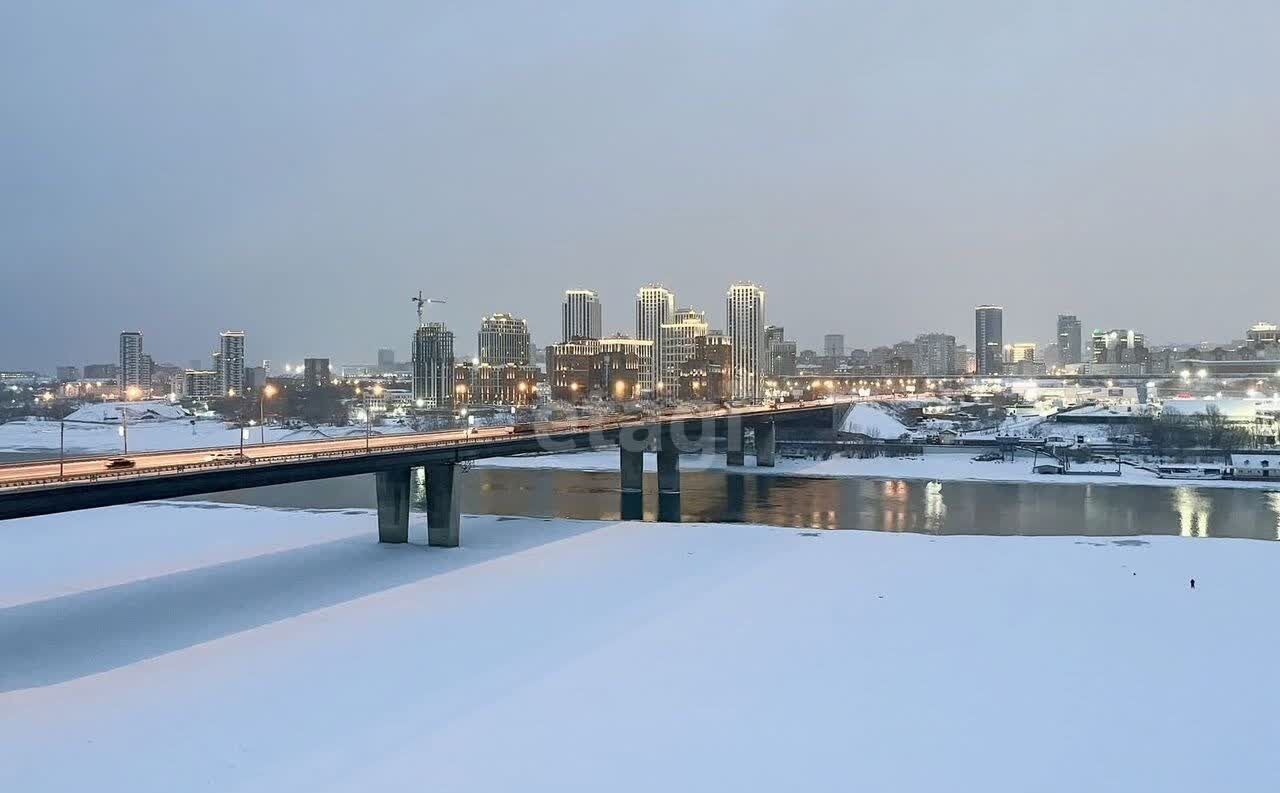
(129, 393)
(267, 392)
(368, 415)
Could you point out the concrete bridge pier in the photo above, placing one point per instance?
(444, 514)
(734, 442)
(393, 504)
(668, 464)
(766, 443)
(631, 463)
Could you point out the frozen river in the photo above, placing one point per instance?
(910, 505)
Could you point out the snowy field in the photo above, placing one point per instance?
(163, 648)
(933, 466)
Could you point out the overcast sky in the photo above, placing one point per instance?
(298, 170)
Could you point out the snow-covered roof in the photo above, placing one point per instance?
(1231, 408)
(110, 412)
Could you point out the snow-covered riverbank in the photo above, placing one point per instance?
(935, 466)
(154, 648)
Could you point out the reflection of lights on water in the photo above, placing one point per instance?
(894, 493)
(1193, 512)
(1273, 501)
(935, 510)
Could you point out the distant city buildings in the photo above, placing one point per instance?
(744, 325)
(611, 368)
(495, 384)
(432, 365)
(988, 339)
(386, 359)
(935, 355)
(1022, 359)
(101, 371)
(1263, 334)
(197, 384)
(134, 370)
(783, 359)
(678, 346)
(708, 374)
(230, 363)
(1118, 346)
(504, 339)
(655, 307)
(66, 374)
(315, 373)
(581, 315)
(833, 345)
(1069, 339)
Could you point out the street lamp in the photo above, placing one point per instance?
(267, 392)
(132, 392)
(368, 415)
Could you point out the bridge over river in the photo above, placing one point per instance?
(44, 487)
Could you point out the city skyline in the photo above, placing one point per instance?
(375, 348)
(1122, 156)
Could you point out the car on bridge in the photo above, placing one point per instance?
(120, 462)
(227, 457)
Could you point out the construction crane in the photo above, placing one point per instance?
(422, 302)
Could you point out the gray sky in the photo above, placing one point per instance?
(299, 169)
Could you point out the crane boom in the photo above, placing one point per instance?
(422, 302)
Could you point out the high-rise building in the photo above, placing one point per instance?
(230, 363)
(988, 339)
(503, 339)
(833, 345)
(101, 371)
(744, 324)
(146, 370)
(129, 373)
(679, 340)
(655, 307)
(1068, 338)
(935, 355)
(67, 374)
(315, 372)
(581, 311)
(386, 359)
(433, 376)
(773, 334)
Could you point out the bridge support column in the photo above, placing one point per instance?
(668, 464)
(443, 510)
(393, 505)
(631, 463)
(766, 443)
(734, 442)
